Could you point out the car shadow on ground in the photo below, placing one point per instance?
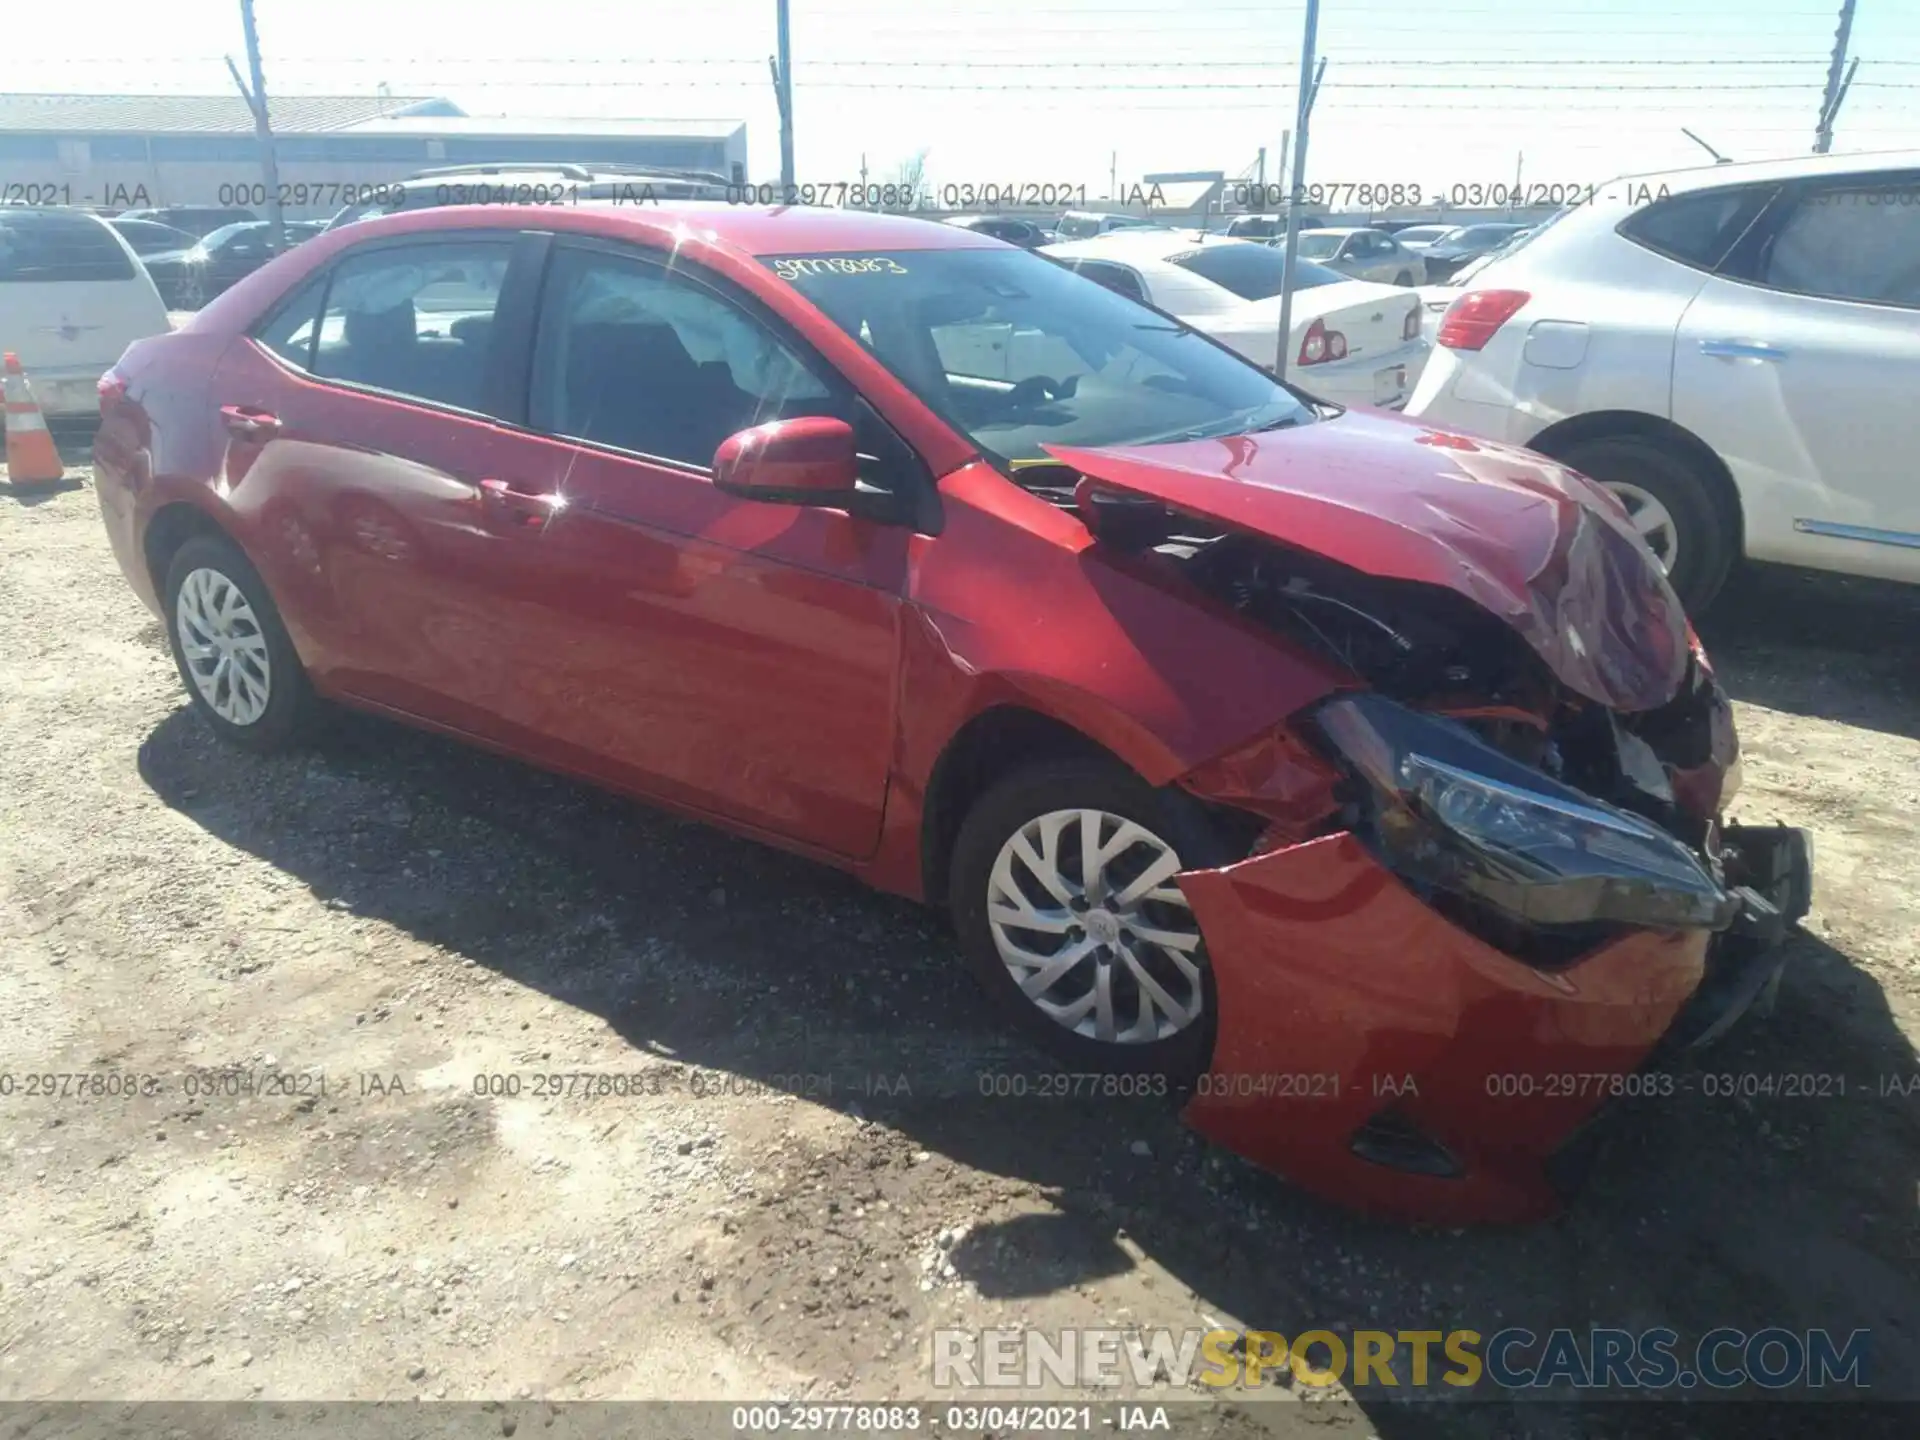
(1724, 1204)
(1833, 647)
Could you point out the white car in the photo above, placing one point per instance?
(1363, 253)
(73, 296)
(1734, 351)
(1352, 343)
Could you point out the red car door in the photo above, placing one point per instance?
(727, 654)
(551, 569)
(360, 418)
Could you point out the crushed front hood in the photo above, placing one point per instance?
(1545, 550)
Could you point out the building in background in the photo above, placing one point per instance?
(123, 152)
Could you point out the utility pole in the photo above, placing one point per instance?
(1260, 170)
(1113, 176)
(1519, 167)
(1839, 80)
(1280, 171)
(1296, 189)
(256, 99)
(783, 89)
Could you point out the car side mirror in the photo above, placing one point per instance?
(808, 460)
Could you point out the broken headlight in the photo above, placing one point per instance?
(1447, 811)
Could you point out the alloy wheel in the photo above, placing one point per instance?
(1655, 522)
(1087, 919)
(226, 652)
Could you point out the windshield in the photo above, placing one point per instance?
(149, 237)
(216, 238)
(1420, 234)
(1017, 352)
(1320, 247)
(1077, 227)
(1254, 272)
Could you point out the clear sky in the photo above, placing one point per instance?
(1416, 91)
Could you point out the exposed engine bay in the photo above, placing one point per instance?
(1436, 652)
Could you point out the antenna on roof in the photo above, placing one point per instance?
(1718, 158)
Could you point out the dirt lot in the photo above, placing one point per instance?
(766, 1217)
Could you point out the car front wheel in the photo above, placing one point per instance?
(231, 649)
(1065, 900)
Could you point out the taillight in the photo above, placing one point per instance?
(1321, 345)
(1470, 322)
(1410, 329)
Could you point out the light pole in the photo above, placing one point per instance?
(256, 99)
(1296, 190)
(785, 93)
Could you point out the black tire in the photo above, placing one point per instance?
(1708, 541)
(1405, 277)
(1090, 783)
(290, 699)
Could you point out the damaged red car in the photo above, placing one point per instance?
(1360, 784)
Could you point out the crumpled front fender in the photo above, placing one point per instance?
(1342, 995)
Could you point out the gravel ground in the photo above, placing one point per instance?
(803, 1182)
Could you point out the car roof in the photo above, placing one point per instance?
(755, 230)
(1740, 172)
(1336, 230)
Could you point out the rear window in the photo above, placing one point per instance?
(1253, 272)
(40, 248)
(1697, 229)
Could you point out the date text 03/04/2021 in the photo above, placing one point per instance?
(1339, 195)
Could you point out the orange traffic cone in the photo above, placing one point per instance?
(31, 456)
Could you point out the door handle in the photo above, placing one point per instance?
(245, 423)
(1742, 350)
(523, 506)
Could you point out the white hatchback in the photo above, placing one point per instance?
(1352, 342)
(1734, 351)
(73, 296)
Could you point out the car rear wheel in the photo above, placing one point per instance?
(1064, 897)
(1671, 506)
(231, 649)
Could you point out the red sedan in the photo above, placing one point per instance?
(1356, 784)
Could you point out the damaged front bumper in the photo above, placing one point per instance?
(1384, 1057)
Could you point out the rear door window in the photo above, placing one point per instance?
(290, 327)
(416, 320)
(1697, 229)
(1849, 242)
(38, 247)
